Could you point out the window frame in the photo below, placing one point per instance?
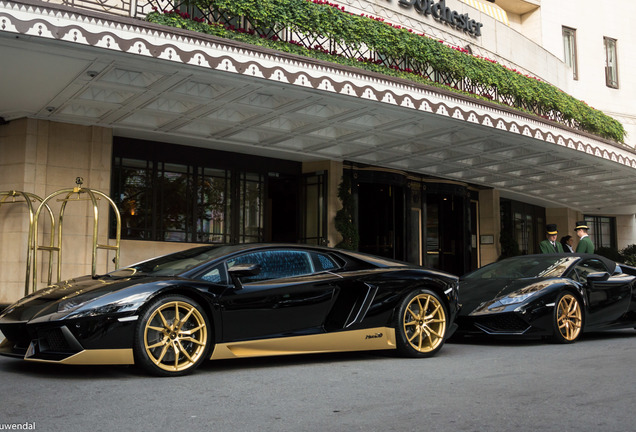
(602, 228)
(611, 49)
(569, 35)
(314, 204)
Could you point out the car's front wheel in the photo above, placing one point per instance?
(568, 318)
(421, 324)
(172, 336)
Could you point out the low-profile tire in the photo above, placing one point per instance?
(567, 318)
(421, 322)
(172, 337)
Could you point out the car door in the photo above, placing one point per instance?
(607, 300)
(291, 295)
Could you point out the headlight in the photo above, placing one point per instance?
(70, 304)
(78, 300)
(514, 299)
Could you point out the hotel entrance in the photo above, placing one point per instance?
(447, 241)
(416, 220)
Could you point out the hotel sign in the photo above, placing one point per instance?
(442, 13)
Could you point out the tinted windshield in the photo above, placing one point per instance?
(533, 266)
(174, 264)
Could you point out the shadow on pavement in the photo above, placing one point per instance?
(74, 372)
(517, 341)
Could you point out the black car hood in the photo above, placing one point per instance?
(473, 292)
(47, 300)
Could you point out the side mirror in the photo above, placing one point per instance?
(598, 277)
(242, 270)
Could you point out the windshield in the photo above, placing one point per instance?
(173, 264)
(535, 266)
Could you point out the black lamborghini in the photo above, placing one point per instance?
(558, 296)
(170, 313)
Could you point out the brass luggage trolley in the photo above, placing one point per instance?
(73, 195)
(17, 197)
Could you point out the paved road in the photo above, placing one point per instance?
(470, 386)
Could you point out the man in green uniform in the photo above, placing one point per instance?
(585, 242)
(550, 245)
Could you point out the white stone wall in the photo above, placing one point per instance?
(625, 231)
(593, 20)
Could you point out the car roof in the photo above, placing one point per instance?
(377, 261)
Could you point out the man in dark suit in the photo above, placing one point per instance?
(550, 245)
(585, 242)
(567, 242)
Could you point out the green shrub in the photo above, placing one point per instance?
(628, 255)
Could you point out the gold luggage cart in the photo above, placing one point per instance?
(76, 194)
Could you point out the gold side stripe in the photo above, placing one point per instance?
(380, 338)
(95, 357)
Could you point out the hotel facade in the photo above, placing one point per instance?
(198, 138)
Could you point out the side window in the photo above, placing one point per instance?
(324, 262)
(276, 264)
(214, 275)
(587, 267)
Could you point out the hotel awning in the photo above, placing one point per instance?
(144, 81)
(490, 9)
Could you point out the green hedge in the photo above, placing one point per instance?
(331, 21)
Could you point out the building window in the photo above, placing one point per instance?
(522, 227)
(569, 50)
(184, 194)
(172, 202)
(314, 228)
(251, 207)
(611, 62)
(213, 206)
(602, 231)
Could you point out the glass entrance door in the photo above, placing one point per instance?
(283, 205)
(381, 219)
(445, 232)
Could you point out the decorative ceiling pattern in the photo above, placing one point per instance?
(157, 83)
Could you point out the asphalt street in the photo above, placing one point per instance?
(472, 385)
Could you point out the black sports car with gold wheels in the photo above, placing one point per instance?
(170, 313)
(558, 296)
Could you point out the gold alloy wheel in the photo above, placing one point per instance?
(424, 322)
(175, 336)
(569, 317)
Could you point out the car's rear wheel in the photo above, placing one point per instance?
(568, 318)
(421, 324)
(172, 336)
